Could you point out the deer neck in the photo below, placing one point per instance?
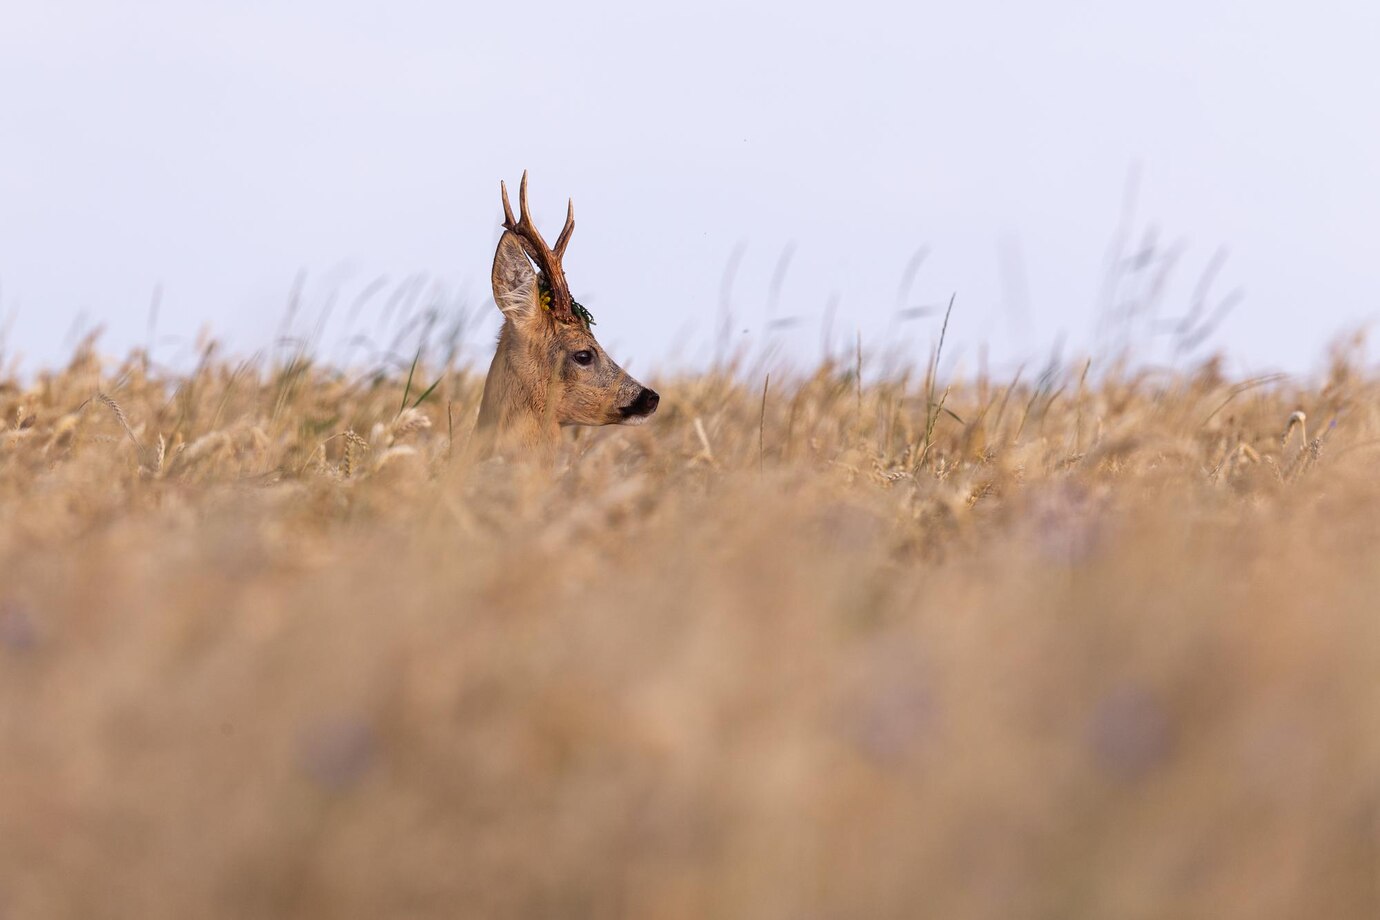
(514, 415)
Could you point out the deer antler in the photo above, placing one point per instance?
(547, 259)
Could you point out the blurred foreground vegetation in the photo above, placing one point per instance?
(1100, 643)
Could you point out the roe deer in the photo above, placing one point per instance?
(548, 371)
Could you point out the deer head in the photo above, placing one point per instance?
(549, 371)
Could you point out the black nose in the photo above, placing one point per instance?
(645, 403)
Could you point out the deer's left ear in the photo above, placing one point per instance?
(515, 281)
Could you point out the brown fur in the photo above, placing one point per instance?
(534, 385)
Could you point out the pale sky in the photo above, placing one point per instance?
(217, 149)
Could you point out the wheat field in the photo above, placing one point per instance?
(1100, 642)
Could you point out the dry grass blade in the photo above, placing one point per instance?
(932, 408)
(122, 419)
(762, 426)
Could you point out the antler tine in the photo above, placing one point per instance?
(564, 239)
(508, 221)
(525, 227)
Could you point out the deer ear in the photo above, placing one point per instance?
(515, 281)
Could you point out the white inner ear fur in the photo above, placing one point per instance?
(515, 282)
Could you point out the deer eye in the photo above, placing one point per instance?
(583, 358)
